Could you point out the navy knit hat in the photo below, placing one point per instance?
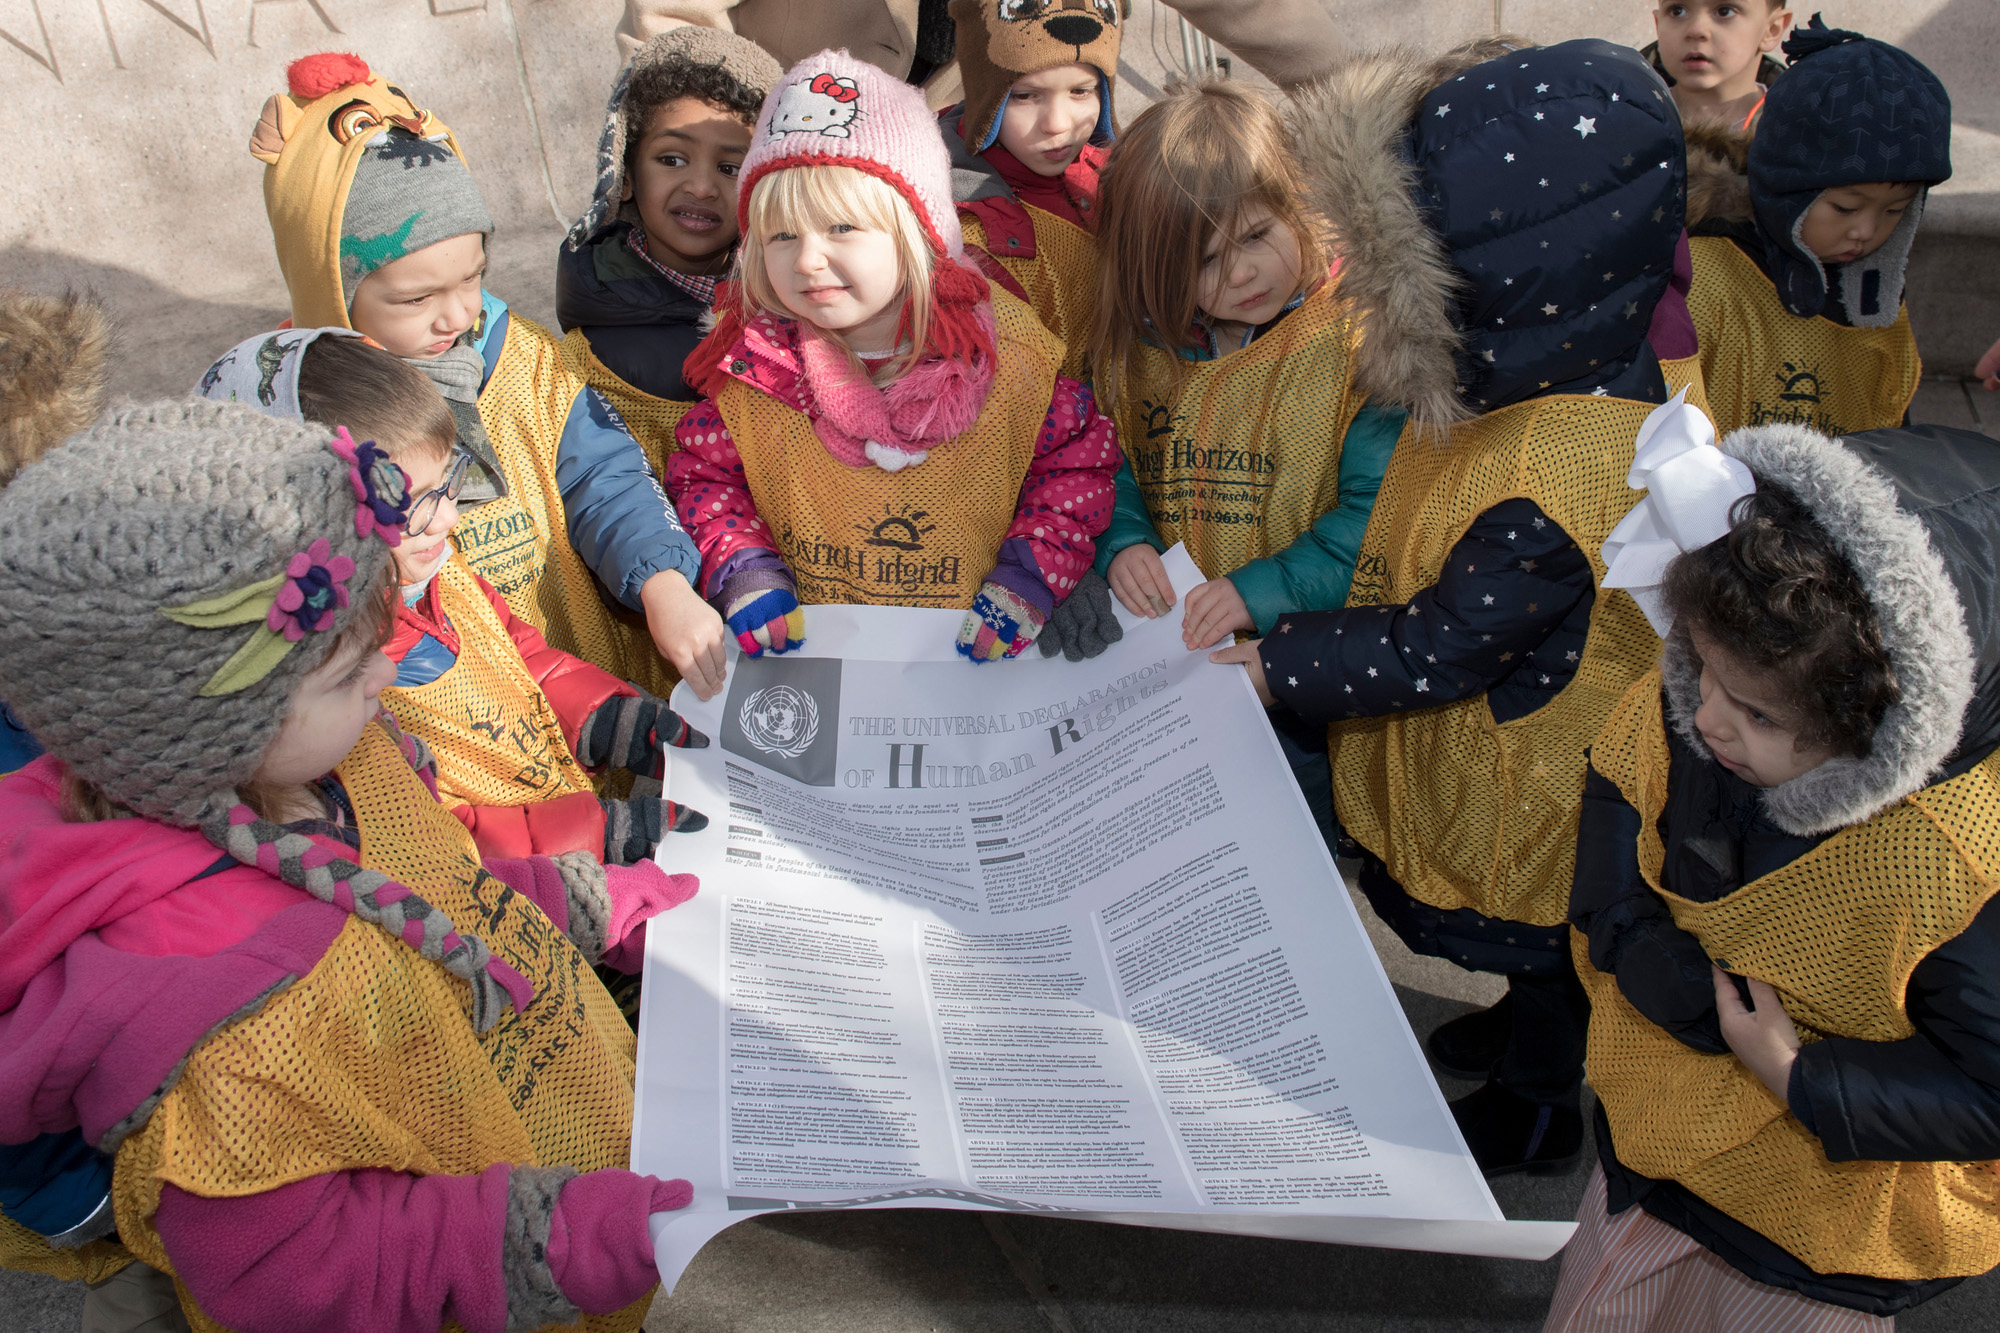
(1849, 111)
(1556, 178)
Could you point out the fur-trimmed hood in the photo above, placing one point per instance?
(1916, 513)
(1508, 213)
(54, 352)
(1718, 173)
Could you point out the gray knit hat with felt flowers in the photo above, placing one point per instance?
(169, 577)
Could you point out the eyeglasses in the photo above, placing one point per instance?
(426, 506)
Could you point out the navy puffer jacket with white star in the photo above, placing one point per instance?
(1550, 182)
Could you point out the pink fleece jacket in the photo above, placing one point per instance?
(1066, 498)
(122, 944)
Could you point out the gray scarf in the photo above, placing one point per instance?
(458, 374)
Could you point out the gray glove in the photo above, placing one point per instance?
(1084, 623)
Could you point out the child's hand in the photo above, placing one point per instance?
(1988, 368)
(1249, 657)
(1213, 610)
(1762, 1038)
(685, 629)
(999, 625)
(1139, 577)
(768, 619)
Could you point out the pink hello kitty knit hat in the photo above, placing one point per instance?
(833, 110)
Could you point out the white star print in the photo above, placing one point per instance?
(1617, 213)
(1585, 126)
(1488, 599)
(1385, 638)
(1430, 657)
(1607, 277)
(1540, 116)
(1424, 684)
(1545, 185)
(1293, 680)
(1571, 654)
(1600, 392)
(1444, 110)
(1508, 158)
(1507, 282)
(1347, 689)
(1373, 672)
(1549, 308)
(1614, 97)
(1631, 309)
(1488, 354)
(1545, 680)
(1541, 87)
(1513, 536)
(1541, 523)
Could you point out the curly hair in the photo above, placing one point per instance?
(656, 85)
(1777, 595)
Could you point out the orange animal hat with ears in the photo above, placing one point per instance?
(312, 139)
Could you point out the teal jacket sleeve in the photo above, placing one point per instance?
(1312, 573)
(1130, 523)
(619, 519)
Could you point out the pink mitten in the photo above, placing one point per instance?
(638, 893)
(600, 1251)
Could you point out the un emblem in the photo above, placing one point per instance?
(780, 720)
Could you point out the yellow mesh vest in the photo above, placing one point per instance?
(651, 420)
(1761, 363)
(1837, 933)
(520, 542)
(496, 739)
(22, 1249)
(924, 536)
(1468, 812)
(1241, 457)
(1061, 280)
(1685, 373)
(370, 1060)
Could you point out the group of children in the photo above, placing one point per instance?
(349, 671)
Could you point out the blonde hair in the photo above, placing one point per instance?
(803, 199)
(1178, 177)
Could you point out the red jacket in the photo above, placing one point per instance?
(574, 688)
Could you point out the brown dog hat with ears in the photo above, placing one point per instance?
(1000, 40)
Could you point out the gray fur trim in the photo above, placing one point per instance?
(588, 889)
(1680, 678)
(1892, 262)
(1923, 628)
(533, 1298)
(1349, 127)
(140, 1114)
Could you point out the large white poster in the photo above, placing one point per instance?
(1031, 935)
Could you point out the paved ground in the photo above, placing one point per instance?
(918, 1271)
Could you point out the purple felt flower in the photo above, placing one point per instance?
(312, 591)
(381, 490)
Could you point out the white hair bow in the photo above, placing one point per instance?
(1690, 487)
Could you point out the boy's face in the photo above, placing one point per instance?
(1749, 729)
(419, 305)
(1049, 117)
(1854, 221)
(683, 182)
(1251, 285)
(419, 557)
(1714, 45)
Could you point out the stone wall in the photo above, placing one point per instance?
(128, 170)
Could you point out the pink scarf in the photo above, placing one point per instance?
(897, 426)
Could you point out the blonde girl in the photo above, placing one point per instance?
(877, 425)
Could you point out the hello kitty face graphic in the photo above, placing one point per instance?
(827, 105)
